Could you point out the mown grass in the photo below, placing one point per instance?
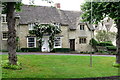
(61, 66)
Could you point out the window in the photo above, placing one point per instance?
(5, 35)
(82, 40)
(3, 17)
(31, 42)
(82, 27)
(57, 43)
(31, 26)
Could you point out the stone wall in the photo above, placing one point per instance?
(65, 38)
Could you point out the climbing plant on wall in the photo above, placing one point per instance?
(49, 29)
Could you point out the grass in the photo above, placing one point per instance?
(61, 66)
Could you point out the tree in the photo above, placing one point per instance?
(41, 29)
(103, 35)
(94, 12)
(9, 8)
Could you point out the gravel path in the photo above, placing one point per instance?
(38, 53)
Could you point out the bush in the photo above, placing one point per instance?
(4, 50)
(86, 52)
(116, 65)
(93, 42)
(30, 49)
(61, 50)
(111, 48)
(5, 64)
(108, 43)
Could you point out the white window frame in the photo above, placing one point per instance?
(60, 42)
(33, 42)
(31, 26)
(3, 18)
(3, 35)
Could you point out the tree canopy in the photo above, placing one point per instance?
(99, 10)
(94, 12)
(103, 35)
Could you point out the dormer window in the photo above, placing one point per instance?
(31, 26)
(3, 18)
(82, 27)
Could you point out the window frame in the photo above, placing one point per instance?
(4, 38)
(31, 42)
(82, 40)
(3, 18)
(82, 27)
(59, 41)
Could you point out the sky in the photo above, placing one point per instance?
(65, 4)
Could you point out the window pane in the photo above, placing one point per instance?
(81, 27)
(5, 35)
(30, 39)
(57, 41)
(31, 42)
(82, 40)
(31, 45)
(3, 18)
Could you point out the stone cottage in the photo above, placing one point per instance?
(75, 34)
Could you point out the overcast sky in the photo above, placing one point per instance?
(65, 4)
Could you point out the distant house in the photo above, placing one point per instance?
(75, 34)
(107, 24)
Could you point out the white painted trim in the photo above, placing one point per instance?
(34, 42)
(60, 44)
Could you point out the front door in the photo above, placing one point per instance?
(72, 44)
(45, 47)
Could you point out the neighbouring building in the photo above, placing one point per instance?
(106, 24)
(75, 34)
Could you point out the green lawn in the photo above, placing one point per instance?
(61, 66)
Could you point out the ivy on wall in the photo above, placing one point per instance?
(49, 29)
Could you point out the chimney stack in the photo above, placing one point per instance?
(57, 5)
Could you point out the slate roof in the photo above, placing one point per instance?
(44, 14)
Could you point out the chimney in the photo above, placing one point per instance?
(57, 5)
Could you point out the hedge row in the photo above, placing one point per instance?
(30, 49)
(61, 50)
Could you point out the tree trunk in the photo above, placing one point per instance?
(11, 33)
(118, 42)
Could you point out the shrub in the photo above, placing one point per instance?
(93, 42)
(4, 50)
(5, 64)
(86, 52)
(61, 50)
(116, 65)
(111, 48)
(30, 49)
(108, 43)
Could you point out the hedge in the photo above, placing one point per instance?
(109, 43)
(61, 50)
(111, 48)
(30, 49)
